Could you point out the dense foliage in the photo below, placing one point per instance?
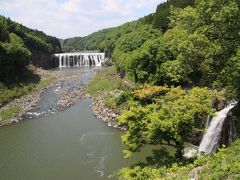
(33, 39)
(188, 54)
(18, 44)
(200, 45)
(164, 115)
(106, 40)
(223, 165)
(161, 18)
(200, 48)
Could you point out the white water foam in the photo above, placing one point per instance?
(211, 138)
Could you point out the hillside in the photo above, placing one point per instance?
(37, 44)
(19, 47)
(105, 40)
(183, 70)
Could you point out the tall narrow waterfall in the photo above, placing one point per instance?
(210, 139)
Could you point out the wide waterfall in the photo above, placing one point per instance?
(211, 138)
(79, 59)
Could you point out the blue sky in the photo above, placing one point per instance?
(69, 18)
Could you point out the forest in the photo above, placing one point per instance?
(181, 58)
(192, 48)
(20, 46)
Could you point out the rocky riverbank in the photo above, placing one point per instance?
(68, 89)
(28, 102)
(68, 96)
(108, 115)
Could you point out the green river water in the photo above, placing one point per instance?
(68, 145)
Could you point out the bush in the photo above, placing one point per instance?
(9, 113)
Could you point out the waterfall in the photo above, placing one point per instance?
(80, 59)
(210, 139)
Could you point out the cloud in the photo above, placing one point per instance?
(68, 18)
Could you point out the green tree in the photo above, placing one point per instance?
(4, 35)
(168, 120)
(13, 58)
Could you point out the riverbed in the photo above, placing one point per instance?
(59, 145)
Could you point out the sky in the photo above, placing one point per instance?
(71, 18)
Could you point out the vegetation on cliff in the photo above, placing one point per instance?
(222, 165)
(19, 46)
(196, 47)
(164, 115)
(200, 45)
(106, 39)
(200, 48)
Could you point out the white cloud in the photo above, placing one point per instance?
(75, 17)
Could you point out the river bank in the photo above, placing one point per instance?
(51, 133)
(48, 79)
(68, 91)
(104, 89)
(108, 115)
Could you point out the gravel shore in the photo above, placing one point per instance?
(29, 101)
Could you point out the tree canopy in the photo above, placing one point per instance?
(17, 44)
(164, 115)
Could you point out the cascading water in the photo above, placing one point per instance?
(210, 139)
(79, 59)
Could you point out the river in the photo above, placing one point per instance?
(66, 145)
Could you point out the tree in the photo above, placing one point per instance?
(4, 35)
(13, 59)
(230, 77)
(163, 12)
(168, 119)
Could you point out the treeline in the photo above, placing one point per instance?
(175, 46)
(161, 18)
(200, 48)
(19, 45)
(105, 40)
(90, 42)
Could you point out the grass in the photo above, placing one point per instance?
(106, 80)
(107, 84)
(46, 82)
(8, 94)
(9, 113)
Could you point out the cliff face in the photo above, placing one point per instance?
(231, 127)
(21, 39)
(41, 59)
